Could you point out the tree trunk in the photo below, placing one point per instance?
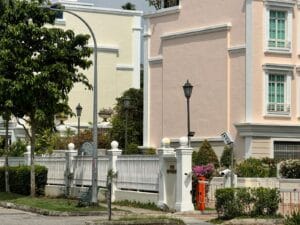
(6, 155)
(32, 172)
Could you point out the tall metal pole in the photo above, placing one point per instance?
(78, 128)
(126, 137)
(188, 121)
(94, 199)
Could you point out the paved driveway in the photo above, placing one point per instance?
(17, 217)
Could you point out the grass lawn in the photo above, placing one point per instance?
(53, 204)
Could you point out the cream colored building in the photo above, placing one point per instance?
(242, 56)
(118, 35)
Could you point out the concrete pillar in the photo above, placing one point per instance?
(113, 154)
(184, 177)
(164, 152)
(27, 155)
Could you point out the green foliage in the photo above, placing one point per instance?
(226, 203)
(272, 164)
(128, 6)
(252, 168)
(135, 118)
(205, 155)
(135, 204)
(19, 179)
(233, 202)
(150, 151)
(265, 201)
(225, 160)
(17, 149)
(293, 219)
(290, 169)
(132, 149)
(39, 64)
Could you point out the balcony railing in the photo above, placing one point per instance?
(278, 108)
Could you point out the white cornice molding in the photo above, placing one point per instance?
(282, 67)
(92, 9)
(268, 130)
(124, 67)
(163, 12)
(199, 139)
(106, 48)
(196, 31)
(156, 60)
(280, 3)
(237, 48)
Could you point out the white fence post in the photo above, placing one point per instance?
(113, 154)
(184, 177)
(163, 152)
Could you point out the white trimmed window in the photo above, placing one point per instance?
(278, 92)
(278, 26)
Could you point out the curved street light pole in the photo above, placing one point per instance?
(94, 199)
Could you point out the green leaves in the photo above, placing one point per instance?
(38, 65)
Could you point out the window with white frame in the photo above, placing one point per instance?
(278, 92)
(278, 29)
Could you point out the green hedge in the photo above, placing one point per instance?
(19, 179)
(253, 167)
(234, 202)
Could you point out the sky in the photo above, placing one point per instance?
(141, 5)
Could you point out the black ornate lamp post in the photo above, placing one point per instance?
(78, 114)
(188, 88)
(126, 102)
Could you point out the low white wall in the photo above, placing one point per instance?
(143, 197)
(75, 192)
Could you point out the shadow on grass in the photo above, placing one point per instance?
(52, 204)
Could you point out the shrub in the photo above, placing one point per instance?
(205, 155)
(252, 168)
(290, 169)
(132, 148)
(19, 179)
(233, 202)
(226, 157)
(293, 219)
(226, 203)
(266, 201)
(272, 164)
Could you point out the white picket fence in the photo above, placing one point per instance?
(135, 172)
(138, 172)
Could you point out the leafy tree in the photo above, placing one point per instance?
(226, 157)
(205, 155)
(155, 3)
(128, 6)
(135, 118)
(38, 65)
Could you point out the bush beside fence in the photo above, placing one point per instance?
(233, 202)
(19, 179)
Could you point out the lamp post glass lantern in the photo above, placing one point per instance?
(126, 102)
(187, 89)
(78, 114)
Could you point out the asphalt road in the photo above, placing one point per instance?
(17, 217)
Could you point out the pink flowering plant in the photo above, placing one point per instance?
(204, 170)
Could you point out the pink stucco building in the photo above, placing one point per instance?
(242, 57)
